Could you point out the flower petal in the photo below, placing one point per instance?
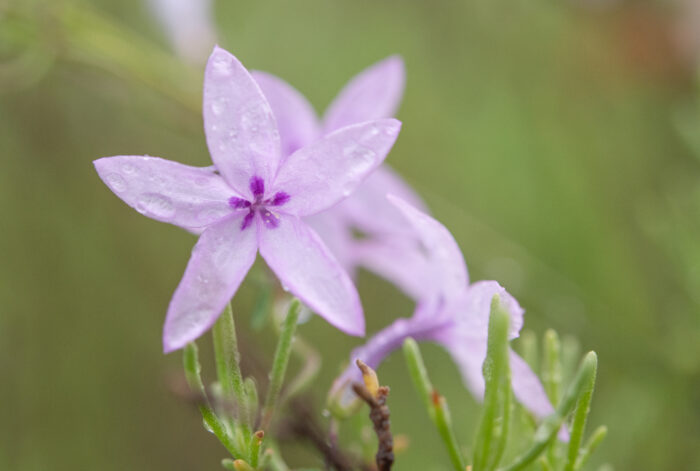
(448, 270)
(370, 210)
(375, 350)
(189, 26)
(220, 260)
(189, 197)
(241, 131)
(527, 387)
(399, 260)
(320, 175)
(307, 268)
(471, 310)
(373, 94)
(335, 234)
(296, 118)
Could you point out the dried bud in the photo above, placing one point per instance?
(369, 376)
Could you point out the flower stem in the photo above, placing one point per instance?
(228, 370)
(434, 402)
(194, 380)
(281, 360)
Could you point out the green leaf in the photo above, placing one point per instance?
(280, 362)
(434, 402)
(596, 438)
(578, 425)
(228, 369)
(194, 380)
(551, 371)
(492, 435)
(547, 431)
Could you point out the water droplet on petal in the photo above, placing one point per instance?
(222, 66)
(217, 107)
(128, 169)
(155, 205)
(285, 287)
(116, 182)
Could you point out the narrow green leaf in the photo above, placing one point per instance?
(280, 362)
(435, 404)
(228, 368)
(492, 434)
(529, 349)
(578, 425)
(255, 444)
(596, 438)
(416, 368)
(551, 371)
(551, 424)
(194, 380)
(251, 393)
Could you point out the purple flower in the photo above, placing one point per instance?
(374, 93)
(451, 312)
(188, 25)
(253, 200)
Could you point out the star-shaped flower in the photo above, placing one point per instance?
(254, 200)
(451, 312)
(373, 94)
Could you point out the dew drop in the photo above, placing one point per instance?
(217, 107)
(222, 65)
(155, 205)
(207, 427)
(128, 169)
(285, 288)
(116, 182)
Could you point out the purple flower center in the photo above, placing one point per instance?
(259, 205)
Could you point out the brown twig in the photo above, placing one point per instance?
(302, 424)
(379, 415)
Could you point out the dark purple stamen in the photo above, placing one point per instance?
(270, 219)
(258, 205)
(238, 203)
(248, 220)
(257, 186)
(279, 199)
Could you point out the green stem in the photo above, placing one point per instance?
(194, 380)
(280, 362)
(547, 431)
(434, 402)
(228, 370)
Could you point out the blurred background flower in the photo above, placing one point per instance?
(558, 142)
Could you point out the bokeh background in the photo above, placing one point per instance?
(557, 140)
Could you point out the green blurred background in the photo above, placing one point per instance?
(555, 140)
